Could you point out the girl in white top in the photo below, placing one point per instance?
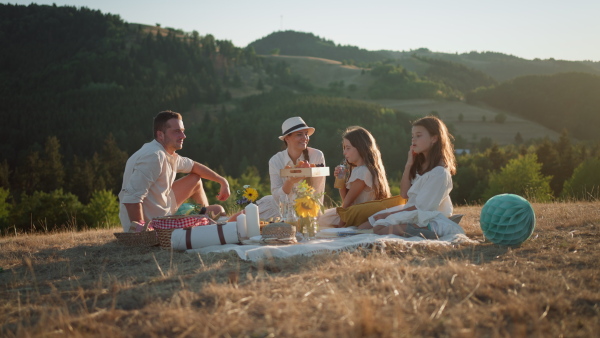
(426, 183)
(366, 181)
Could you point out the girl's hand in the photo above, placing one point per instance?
(381, 216)
(411, 156)
(337, 170)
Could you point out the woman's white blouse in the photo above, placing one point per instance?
(281, 159)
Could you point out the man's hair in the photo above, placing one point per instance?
(160, 120)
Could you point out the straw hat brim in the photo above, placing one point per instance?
(311, 131)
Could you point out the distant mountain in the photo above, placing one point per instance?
(500, 67)
(455, 76)
(308, 44)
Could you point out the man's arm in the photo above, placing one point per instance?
(206, 173)
(134, 210)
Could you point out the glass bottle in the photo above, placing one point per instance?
(340, 178)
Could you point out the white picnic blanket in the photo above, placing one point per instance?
(256, 252)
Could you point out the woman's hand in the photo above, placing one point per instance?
(381, 216)
(289, 184)
(295, 180)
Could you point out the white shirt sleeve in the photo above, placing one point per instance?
(184, 164)
(361, 173)
(275, 165)
(433, 189)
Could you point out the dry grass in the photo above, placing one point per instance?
(85, 284)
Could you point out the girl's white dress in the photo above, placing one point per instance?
(430, 194)
(330, 216)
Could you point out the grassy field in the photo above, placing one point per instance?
(85, 284)
(322, 72)
(473, 126)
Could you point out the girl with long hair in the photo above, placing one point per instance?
(366, 178)
(426, 183)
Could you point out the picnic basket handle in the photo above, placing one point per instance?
(146, 225)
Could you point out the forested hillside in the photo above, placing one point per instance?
(454, 75)
(500, 67)
(248, 134)
(568, 100)
(79, 74)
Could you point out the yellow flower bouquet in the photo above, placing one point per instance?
(249, 195)
(307, 206)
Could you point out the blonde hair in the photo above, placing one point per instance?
(365, 143)
(441, 151)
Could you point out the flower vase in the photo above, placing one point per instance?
(308, 227)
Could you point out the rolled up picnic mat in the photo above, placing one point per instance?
(206, 235)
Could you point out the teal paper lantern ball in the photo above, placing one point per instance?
(507, 219)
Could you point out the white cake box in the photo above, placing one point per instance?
(305, 172)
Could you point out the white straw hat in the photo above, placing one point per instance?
(294, 124)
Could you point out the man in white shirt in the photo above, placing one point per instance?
(149, 187)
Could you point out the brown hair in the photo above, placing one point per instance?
(160, 120)
(442, 151)
(365, 143)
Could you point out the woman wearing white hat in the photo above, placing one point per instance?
(295, 134)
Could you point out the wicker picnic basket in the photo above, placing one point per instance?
(143, 238)
(164, 226)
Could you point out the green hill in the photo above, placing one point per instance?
(477, 120)
(500, 67)
(568, 100)
(308, 44)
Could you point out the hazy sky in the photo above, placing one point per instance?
(566, 30)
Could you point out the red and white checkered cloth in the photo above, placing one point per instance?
(178, 222)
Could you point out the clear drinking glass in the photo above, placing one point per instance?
(340, 178)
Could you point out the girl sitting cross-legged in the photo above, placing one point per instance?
(426, 182)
